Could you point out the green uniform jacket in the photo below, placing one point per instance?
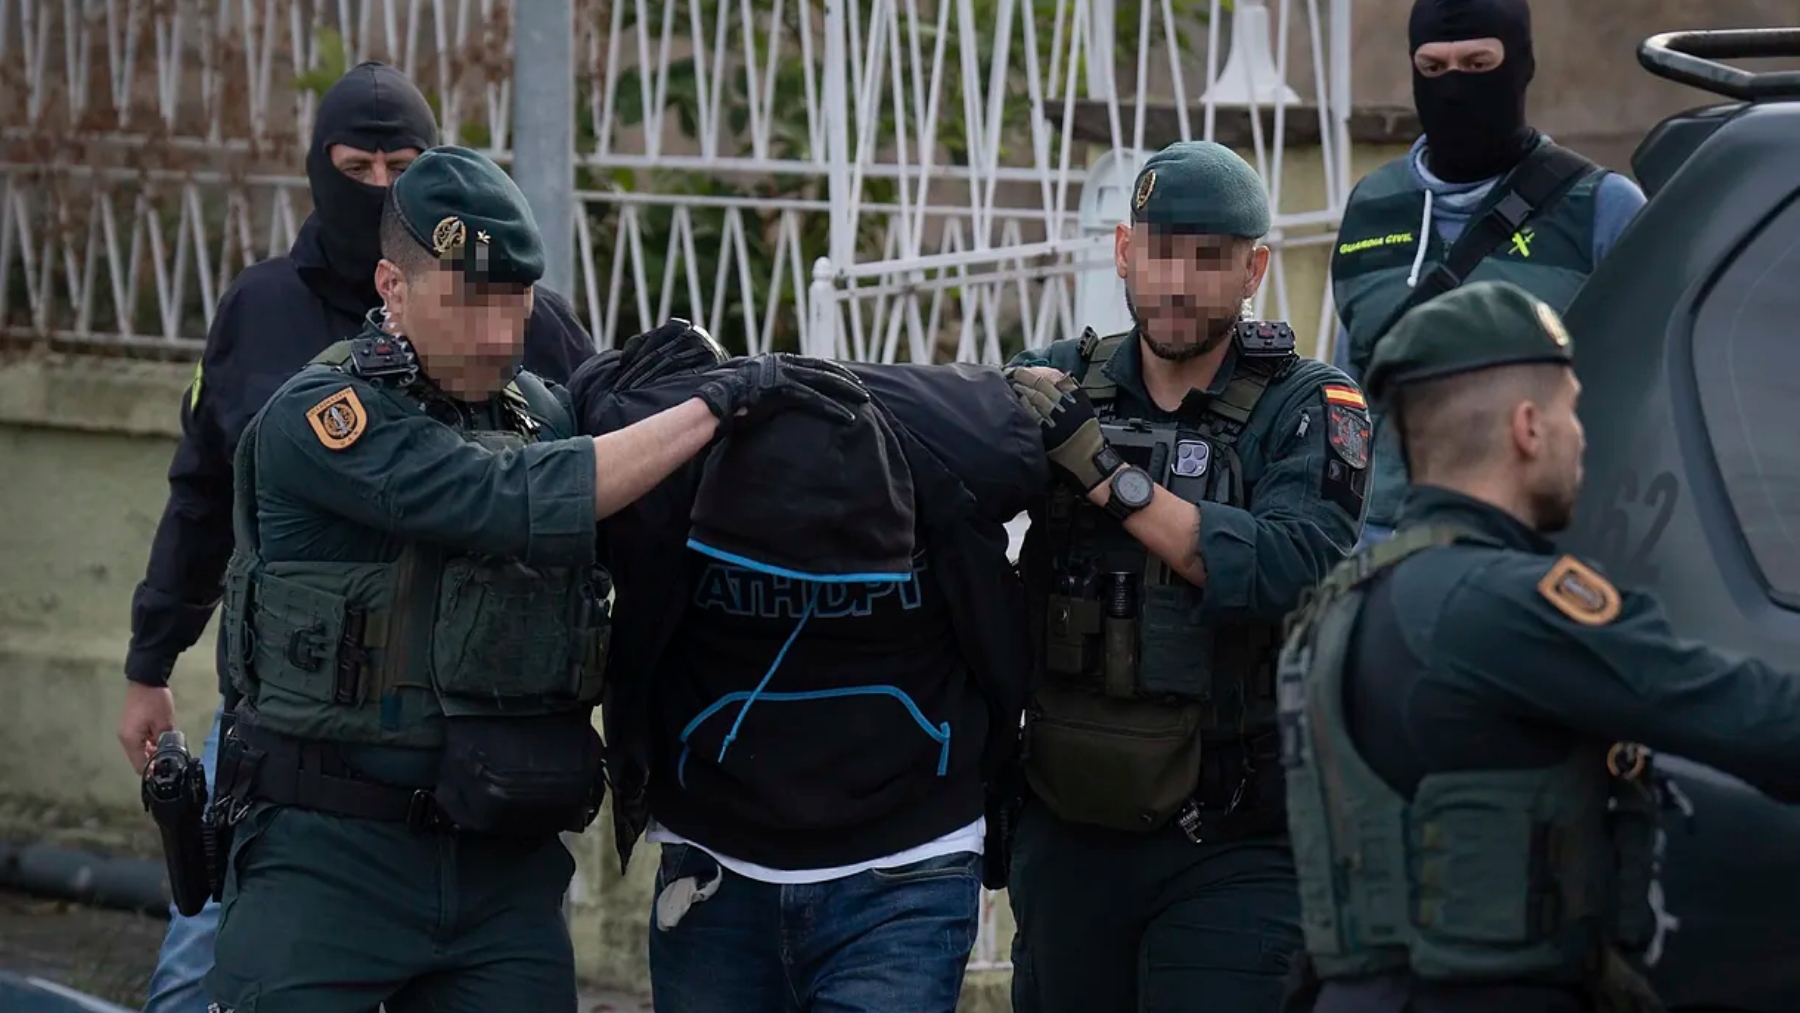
(1299, 522)
(404, 476)
(1505, 628)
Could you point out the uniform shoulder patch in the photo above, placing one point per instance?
(1347, 425)
(339, 420)
(1579, 592)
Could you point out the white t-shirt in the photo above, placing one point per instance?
(971, 838)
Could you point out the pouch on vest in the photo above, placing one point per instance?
(1121, 763)
(517, 658)
(521, 776)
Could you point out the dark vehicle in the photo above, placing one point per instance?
(1687, 344)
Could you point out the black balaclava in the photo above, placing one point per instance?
(1474, 123)
(375, 108)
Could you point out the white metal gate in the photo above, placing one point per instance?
(971, 254)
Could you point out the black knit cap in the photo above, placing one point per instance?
(809, 498)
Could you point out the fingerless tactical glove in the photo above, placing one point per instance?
(1072, 436)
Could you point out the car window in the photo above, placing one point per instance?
(1747, 365)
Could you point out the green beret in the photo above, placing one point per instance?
(461, 206)
(1200, 187)
(1477, 326)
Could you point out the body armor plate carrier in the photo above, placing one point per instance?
(1514, 876)
(396, 653)
(1133, 680)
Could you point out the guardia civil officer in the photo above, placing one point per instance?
(1482, 195)
(1463, 706)
(277, 314)
(415, 623)
(1224, 476)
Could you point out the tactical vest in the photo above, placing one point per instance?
(1378, 243)
(1515, 876)
(1133, 683)
(380, 653)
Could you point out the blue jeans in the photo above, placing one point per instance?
(876, 942)
(187, 950)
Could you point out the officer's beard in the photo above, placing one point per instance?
(1553, 505)
(1217, 330)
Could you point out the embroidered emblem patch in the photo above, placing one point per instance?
(1347, 430)
(1191, 458)
(1144, 187)
(339, 420)
(1580, 593)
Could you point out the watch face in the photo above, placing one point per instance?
(1133, 487)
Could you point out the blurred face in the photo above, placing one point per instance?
(1186, 291)
(469, 335)
(1554, 442)
(376, 168)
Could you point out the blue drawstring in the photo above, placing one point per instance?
(812, 597)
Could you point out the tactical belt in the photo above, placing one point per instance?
(313, 775)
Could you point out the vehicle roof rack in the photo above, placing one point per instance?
(1692, 58)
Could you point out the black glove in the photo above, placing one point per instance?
(1072, 436)
(746, 391)
(674, 348)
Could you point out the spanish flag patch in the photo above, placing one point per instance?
(1346, 396)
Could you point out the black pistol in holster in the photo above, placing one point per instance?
(174, 794)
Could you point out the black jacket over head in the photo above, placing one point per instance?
(809, 758)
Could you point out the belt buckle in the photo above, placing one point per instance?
(1190, 822)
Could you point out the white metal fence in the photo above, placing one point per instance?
(877, 179)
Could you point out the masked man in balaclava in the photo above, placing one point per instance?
(276, 316)
(1482, 196)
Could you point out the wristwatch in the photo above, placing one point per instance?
(1132, 491)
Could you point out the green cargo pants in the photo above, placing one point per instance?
(1112, 922)
(327, 914)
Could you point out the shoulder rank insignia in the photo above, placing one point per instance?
(1579, 592)
(450, 234)
(339, 420)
